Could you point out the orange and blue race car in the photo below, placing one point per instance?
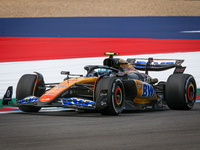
(109, 88)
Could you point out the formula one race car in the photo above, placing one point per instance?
(109, 88)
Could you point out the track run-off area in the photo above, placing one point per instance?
(67, 129)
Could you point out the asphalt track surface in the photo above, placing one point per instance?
(160, 129)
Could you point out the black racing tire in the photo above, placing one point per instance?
(180, 92)
(115, 95)
(24, 89)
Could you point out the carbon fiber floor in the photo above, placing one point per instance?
(161, 129)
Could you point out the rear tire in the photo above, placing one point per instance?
(25, 88)
(181, 92)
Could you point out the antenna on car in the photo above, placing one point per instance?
(111, 54)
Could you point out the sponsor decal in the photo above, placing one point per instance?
(140, 85)
(127, 68)
(179, 69)
(45, 99)
(8, 93)
(78, 103)
(148, 91)
(28, 100)
(61, 86)
(158, 62)
(103, 93)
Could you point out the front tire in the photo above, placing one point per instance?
(115, 95)
(27, 86)
(181, 92)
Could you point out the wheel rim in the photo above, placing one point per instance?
(118, 96)
(191, 92)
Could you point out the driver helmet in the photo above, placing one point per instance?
(103, 71)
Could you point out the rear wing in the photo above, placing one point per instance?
(151, 64)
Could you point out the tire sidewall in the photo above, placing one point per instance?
(190, 83)
(24, 89)
(176, 93)
(117, 87)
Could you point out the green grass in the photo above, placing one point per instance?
(13, 100)
(198, 92)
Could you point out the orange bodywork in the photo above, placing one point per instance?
(145, 92)
(144, 95)
(127, 67)
(51, 94)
